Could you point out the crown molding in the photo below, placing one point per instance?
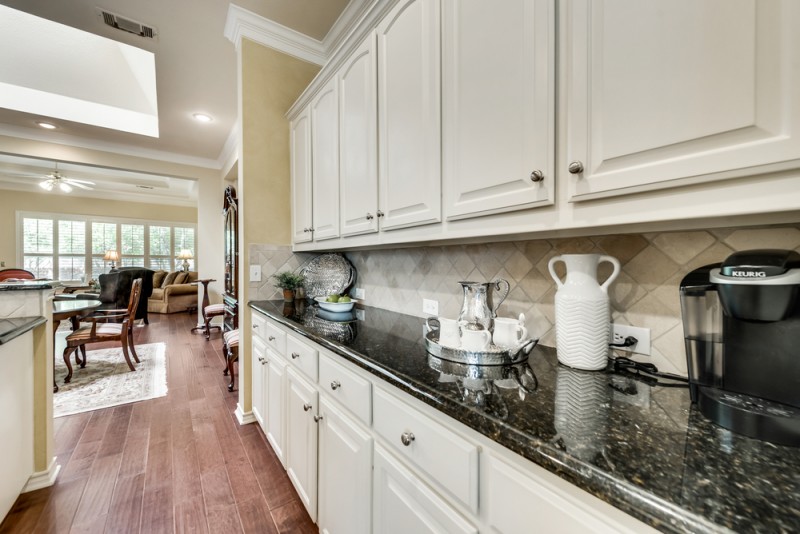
(230, 151)
(242, 23)
(345, 24)
(32, 134)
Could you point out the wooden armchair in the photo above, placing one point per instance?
(102, 330)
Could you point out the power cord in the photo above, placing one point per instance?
(627, 342)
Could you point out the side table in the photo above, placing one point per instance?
(209, 311)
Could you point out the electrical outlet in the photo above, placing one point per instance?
(360, 315)
(620, 331)
(255, 273)
(431, 307)
(359, 293)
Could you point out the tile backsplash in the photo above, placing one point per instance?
(645, 294)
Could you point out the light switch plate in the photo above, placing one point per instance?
(359, 293)
(430, 307)
(255, 273)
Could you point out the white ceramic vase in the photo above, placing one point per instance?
(582, 311)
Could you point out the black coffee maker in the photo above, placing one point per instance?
(741, 321)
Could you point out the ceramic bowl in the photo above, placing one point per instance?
(335, 306)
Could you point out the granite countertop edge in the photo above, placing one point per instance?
(28, 286)
(12, 328)
(633, 500)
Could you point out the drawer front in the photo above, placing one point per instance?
(345, 386)
(275, 338)
(258, 326)
(443, 455)
(302, 357)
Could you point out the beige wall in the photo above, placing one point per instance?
(269, 83)
(13, 201)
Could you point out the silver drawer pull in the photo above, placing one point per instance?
(260, 359)
(306, 407)
(271, 338)
(406, 438)
(335, 385)
(264, 362)
(317, 418)
(295, 355)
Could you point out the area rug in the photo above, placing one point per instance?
(107, 381)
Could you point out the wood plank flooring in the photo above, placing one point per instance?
(180, 463)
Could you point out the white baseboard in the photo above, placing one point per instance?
(242, 417)
(43, 479)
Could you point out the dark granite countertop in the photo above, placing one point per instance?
(28, 285)
(640, 447)
(16, 326)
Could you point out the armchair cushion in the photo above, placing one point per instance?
(158, 278)
(169, 279)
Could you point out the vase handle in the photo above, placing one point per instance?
(615, 262)
(503, 294)
(550, 265)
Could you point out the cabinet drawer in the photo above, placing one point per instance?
(302, 357)
(443, 455)
(258, 326)
(345, 386)
(275, 338)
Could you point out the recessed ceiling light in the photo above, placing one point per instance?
(47, 125)
(202, 117)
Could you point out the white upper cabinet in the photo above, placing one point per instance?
(409, 123)
(300, 140)
(673, 92)
(325, 163)
(498, 105)
(358, 149)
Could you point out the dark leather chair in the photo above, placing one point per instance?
(115, 290)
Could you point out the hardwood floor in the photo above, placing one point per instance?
(180, 463)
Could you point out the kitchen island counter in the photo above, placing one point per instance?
(642, 448)
(14, 327)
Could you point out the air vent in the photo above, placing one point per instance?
(145, 187)
(127, 25)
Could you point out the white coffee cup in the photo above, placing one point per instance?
(508, 332)
(475, 340)
(449, 334)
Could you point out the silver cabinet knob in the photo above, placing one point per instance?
(255, 327)
(537, 176)
(406, 438)
(306, 407)
(260, 359)
(317, 418)
(369, 217)
(380, 213)
(265, 362)
(271, 338)
(335, 385)
(306, 230)
(310, 228)
(576, 167)
(295, 355)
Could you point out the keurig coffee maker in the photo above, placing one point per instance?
(741, 321)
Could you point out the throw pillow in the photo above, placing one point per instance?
(158, 278)
(182, 278)
(169, 279)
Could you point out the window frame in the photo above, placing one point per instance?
(88, 253)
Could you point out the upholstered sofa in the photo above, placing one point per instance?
(173, 292)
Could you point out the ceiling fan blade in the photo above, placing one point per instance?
(75, 180)
(76, 184)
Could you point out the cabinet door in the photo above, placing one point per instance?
(274, 398)
(402, 503)
(358, 149)
(409, 150)
(674, 92)
(325, 163)
(300, 138)
(498, 106)
(301, 439)
(258, 367)
(345, 473)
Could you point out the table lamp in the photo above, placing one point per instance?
(113, 257)
(185, 255)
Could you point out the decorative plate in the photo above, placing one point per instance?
(328, 274)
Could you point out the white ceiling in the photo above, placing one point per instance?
(195, 72)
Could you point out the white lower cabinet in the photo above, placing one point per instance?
(274, 397)
(301, 439)
(402, 503)
(258, 355)
(345, 473)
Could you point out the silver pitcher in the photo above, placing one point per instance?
(479, 307)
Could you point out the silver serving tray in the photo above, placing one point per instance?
(328, 274)
(492, 356)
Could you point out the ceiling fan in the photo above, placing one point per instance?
(56, 179)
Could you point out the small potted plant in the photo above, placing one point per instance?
(288, 282)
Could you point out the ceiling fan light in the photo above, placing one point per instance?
(46, 185)
(65, 187)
